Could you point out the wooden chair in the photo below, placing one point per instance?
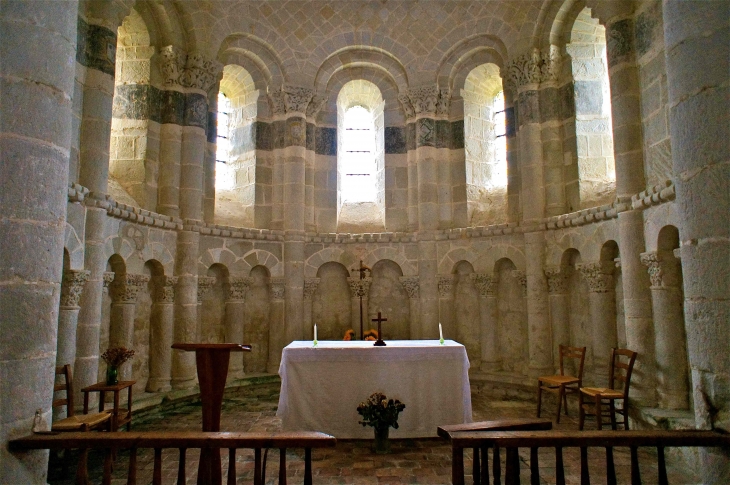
(74, 422)
(601, 399)
(562, 384)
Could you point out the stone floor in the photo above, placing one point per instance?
(419, 461)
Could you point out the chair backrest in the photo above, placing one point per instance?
(578, 353)
(67, 386)
(619, 374)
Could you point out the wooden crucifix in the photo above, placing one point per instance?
(379, 342)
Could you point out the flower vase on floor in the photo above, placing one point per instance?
(382, 443)
(112, 375)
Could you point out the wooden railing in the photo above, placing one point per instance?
(112, 442)
(511, 441)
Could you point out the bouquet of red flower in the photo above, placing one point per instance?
(380, 412)
(117, 356)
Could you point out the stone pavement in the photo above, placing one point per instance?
(419, 461)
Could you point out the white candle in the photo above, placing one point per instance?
(441, 332)
(315, 332)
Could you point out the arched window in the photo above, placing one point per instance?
(224, 175)
(485, 145)
(360, 158)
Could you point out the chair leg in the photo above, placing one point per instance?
(539, 397)
(561, 394)
(581, 412)
(612, 409)
(599, 413)
(565, 401)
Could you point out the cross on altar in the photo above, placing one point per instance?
(379, 342)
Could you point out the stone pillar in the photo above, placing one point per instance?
(205, 284)
(446, 306)
(559, 311)
(68, 315)
(410, 284)
(411, 160)
(359, 287)
(294, 271)
(489, 337)
(124, 291)
(310, 286)
(210, 155)
(184, 370)
(697, 50)
(538, 312)
(161, 322)
(36, 93)
(602, 301)
(670, 340)
(172, 66)
(277, 331)
(235, 308)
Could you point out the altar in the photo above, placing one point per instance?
(322, 385)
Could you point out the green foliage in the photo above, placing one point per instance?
(379, 411)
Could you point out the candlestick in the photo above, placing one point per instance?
(441, 335)
(315, 334)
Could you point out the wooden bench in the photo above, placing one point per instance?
(513, 440)
(481, 472)
(113, 441)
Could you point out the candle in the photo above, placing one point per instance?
(441, 333)
(315, 332)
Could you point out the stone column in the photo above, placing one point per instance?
(210, 158)
(172, 66)
(410, 284)
(68, 315)
(670, 340)
(310, 286)
(124, 291)
(602, 301)
(36, 92)
(184, 370)
(235, 308)
(446, 306)
(411, 161)
(205, 284)
(359, 287)
(697, 52)
(486, 284)
(161, 322)
(428, 286)
(538, 312)
(423, 101)
(559, 311)
(277, 324)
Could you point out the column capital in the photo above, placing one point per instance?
(107, 279)
(521, 278)
(533, 67)
(278, 288)
(445, 285)
(293, 99)
(310, 286)
(237, 288)
(201, 73)
(662, 267)
(485, 283)
(172, 65)
(205, 283)
(165, 288)
(443, 105)
(315, 105)
(424, 99)
(359, 287)
(72, 285)
(125, 288)
(599, 275)
(556, 279)
(412, 286)
(405, 102)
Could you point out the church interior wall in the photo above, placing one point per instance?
(157, 252)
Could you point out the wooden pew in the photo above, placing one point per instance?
(114, 441)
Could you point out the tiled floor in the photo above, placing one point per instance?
(422, 461)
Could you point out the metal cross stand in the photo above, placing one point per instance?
(362, 269)
(379, 342)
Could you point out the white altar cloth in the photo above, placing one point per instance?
(322, 386)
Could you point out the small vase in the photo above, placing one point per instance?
(382, 443)
(112, 375)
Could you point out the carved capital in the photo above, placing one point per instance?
(557, 283)
(443, 104)
(107, 280)
(205, 283)
(485, 283)
(165, 289)
(296, 99)
(663, 269)
(533, 68)
(599, 275)
(172, 65)
(424, 99)
(412, 286)
(445, 284)
(124, 289)
(359, 287)
(201, 73)
(277, 288)
(405, 102)
(72, 286)
(315, 106)
(310, 286)
(237, 287)
(276, 101)
(521, 278)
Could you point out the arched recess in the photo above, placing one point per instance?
(360, 158)
(115, 274)
(332, 303)
(237, 175)
(465, 56)
(359, 55)
(570, 310)
(257, 319)
(388, 297)
(511, 319)
(212, 309)
(143, 321)
(466, 311)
